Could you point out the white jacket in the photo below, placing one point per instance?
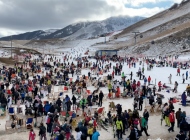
(79, 135)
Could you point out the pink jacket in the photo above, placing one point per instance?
(32, 136)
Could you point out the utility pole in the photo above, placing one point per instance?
(11, 47)
(135, 35)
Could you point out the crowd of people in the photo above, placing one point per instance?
(33, 81)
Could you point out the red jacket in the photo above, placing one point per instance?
(138, 83)
(159, 84)
(178, 70)
(172, 117)
(149, 79)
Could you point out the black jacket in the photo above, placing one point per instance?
(132, 135)
(42, 130)
(3, 100)
(59, 102)
(101, 95)
(61, 137)
(40, 108)
(119, 110)
(74, 99)
(141, 100)
(146, 115)
(52, 109)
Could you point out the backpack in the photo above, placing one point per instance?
(48, 120)
(43, 130)
(185, 126)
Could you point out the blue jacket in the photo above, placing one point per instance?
(73, 115)
(145, 80)
(23, 94)
(184, 126)
(67, 98)
(47, 106)
(186, 73)
(127, 116)
(95, 135)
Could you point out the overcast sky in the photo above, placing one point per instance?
(19, 16)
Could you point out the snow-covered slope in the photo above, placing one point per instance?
(163, 29)
(49, 31)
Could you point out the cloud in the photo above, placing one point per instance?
(138, 3)
(18, 16)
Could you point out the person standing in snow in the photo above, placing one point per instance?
(178, 72)
(95, 135)
(183, 78)
(172, 121)
(170, 79)
(143, 126)
(186, 75)
(149, 79)
(183, 97)
(145, 80)
(9, 101)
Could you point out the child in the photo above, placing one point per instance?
(32, 135)
(79, 133)
(135, 122)
(67, 130)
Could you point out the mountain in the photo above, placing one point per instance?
(81, 30)
(167, 32)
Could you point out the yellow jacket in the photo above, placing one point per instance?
(128, 82)
(49, 82)
(90, 131)
(119, 125)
